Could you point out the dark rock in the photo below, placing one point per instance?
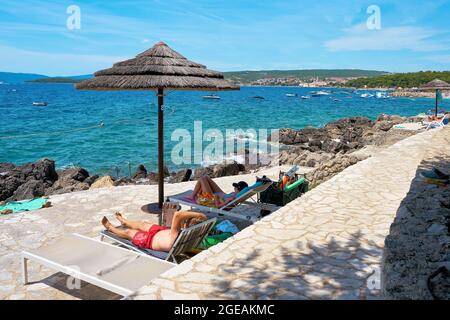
(181, 176)
(43, 170)
(8, 186)
(331, 146)
(78, 186)
(90, 180)
(141, 173)
(77, 174)
(122, 181)
(226, 169)
(29, 190)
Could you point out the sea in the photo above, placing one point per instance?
(112, 132)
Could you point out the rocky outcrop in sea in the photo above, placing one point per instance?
(331, 149)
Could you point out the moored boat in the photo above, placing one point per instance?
(211, 97)
(320, 93)
(40, 104)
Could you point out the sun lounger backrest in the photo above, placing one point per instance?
(191, 237)
(246, 196)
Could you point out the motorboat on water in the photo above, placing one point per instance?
(382, 95)
(320, 93)
(211, 97)
(291, 95)
(306, 97)
(40, 104)
(367, 95)
(258, 98)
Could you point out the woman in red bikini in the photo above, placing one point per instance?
(151, 236)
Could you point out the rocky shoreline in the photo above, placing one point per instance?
(416, 253)
(327, 150)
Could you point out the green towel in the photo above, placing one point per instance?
(295, 184)
(210, 241)
(25, 205)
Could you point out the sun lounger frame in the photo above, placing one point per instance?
(26, 256)
(183, 243)
(436, 123)
(226, 209)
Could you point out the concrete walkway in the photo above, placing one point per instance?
(326, 245)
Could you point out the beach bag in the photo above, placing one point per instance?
(281, 197)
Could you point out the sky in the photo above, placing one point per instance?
(227, 35)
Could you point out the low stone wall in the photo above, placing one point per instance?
(419, 239)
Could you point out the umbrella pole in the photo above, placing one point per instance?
(160, 151)
(437, 103)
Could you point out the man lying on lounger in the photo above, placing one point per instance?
(152, 236)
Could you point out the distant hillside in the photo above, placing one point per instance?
(11, 77)
(246, 77)
(404, 80)
(72, 79)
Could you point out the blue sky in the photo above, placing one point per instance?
(226, 35)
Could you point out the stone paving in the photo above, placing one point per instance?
(326, 245)
(78, 212)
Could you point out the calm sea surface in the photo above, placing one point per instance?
(68, 131)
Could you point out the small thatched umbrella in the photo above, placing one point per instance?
(436, 85)
(158, 68)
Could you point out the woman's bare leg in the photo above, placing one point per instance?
(197, 189)
(213, 185)
(136, 225)
(205, 185)
(123, 233)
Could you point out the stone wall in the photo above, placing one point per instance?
(419, 239)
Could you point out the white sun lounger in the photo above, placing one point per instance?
(187, 239)
(226, 210)
(107, 266)
(436, 123)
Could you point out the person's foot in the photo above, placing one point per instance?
(170, 207)
(120, 218)
(106, 224)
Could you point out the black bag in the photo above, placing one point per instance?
(274, 195)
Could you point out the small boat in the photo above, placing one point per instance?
(305, 97)
(319, 94)
(40, 104)
(337, 100)
(291, 95)
(382, 95)
(211, 97)
(258, 97)
(367, 95)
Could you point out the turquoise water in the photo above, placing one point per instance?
(68, 131)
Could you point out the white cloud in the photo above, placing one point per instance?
(359, 38)
(53, 64)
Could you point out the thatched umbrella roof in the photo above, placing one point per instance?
(158, 67)
(436, 84)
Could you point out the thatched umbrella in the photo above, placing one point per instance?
(436, 85)
(159, 68)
